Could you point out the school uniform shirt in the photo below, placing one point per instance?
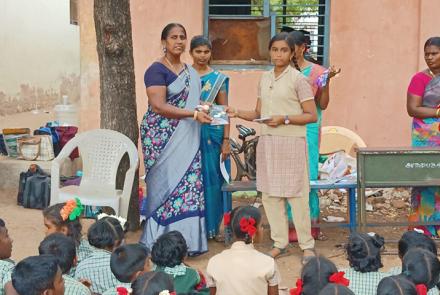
(242, 270)
(398, 270)
(74, 287)
(83, 251)
(185, 278)
(112, 291)
(364, 283)
(96, 268)
(6, 268)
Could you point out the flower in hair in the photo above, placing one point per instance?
(121, 220)
(227, 218)
(123, 291)
(421, 289)
(299, 288)
(72, 210)
(167, 292)
(247, 225)
(338, 278)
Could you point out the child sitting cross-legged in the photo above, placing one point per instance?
(64, 250)
(316, 274)
(242, 269)
(38, 275)
(363, 254)
(65, 218)
(168, 254)
(6, 264)
(153, 283)
(127, 263)
(105, 235)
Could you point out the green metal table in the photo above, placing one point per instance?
(395, 167)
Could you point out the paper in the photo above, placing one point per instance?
(262, 119)
(223, 170)
(218, 115)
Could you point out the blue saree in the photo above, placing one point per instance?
(210, 145)
(172, 158)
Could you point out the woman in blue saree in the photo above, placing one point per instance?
(214, 139)
(170, 134)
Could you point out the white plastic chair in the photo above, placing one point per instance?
(101, 151)
(336, 138)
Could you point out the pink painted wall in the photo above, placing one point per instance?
(378, 45)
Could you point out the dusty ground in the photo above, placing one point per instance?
(27, 230)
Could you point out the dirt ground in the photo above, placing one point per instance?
(27, 230)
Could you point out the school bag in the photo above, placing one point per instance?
(33, 169)
(35, 187)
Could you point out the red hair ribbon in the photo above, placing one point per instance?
(247, 225)
(122, 291)
(202, 283)
(421, 289)
(299, 288)
(338, 278)
(227, 218)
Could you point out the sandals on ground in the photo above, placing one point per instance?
(307, 258)
(279, 252)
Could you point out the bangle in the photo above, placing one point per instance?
(195, 115)
(437, 113)
(225, 138)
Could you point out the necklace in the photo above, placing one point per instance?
(176, 71)
(432, 73)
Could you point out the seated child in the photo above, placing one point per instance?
(65, 218)
(335, 289)
(399, 285)
(6, 264)
(105, 235)
(317, 273)
(64, 250)
(38, 275)
(168, 254)
(409, 240)
(363, 254)
(153, 283)
(127, 263)
(422, 267)
(242, 269)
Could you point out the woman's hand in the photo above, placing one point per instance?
(332, 72)
(226, 149)
(232, 112)
(203, 118)
(275, 121)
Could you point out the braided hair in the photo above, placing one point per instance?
(237, 215)
(152, 283)
(315, 274)
(363, 252)
(396, 285)
(421, 267)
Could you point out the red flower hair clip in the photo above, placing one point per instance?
(421, 289)
(227, 218)
(299, 288)
(123, 291)
(338, 278)
(247, 225)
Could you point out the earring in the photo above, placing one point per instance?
(164, 50)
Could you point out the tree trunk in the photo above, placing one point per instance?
(117, 82)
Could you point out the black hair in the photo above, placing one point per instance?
(363, 252)
(152, 283)
(34, 274)
(62, 248)
(396, 285)
(127, 260)
(421, 267)
(284, 36)
(74, 227)
(315, 274)
(335, 289)
(2, 223)
(169, 249)
(199, 40)
(433, 41)
(166, 30)
(298, 39)
(105, 233)
(413, 239)
(244, 212)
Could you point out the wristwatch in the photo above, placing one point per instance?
(286, 120)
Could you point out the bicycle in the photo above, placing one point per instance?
(246, 167)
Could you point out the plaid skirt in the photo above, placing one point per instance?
(282, 166)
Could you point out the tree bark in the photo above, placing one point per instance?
(117, 83)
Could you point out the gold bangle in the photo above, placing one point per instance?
(195, 115)
(437, 113)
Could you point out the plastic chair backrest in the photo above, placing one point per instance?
(101, 152)
(336, 138)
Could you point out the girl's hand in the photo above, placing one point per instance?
(226, 149)
(232, 112)
(203, 118)
(333, 72)
(275, 121)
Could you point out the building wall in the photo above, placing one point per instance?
(39, 60)
(377, 43)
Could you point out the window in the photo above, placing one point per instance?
(240, 30)
(74, 12)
